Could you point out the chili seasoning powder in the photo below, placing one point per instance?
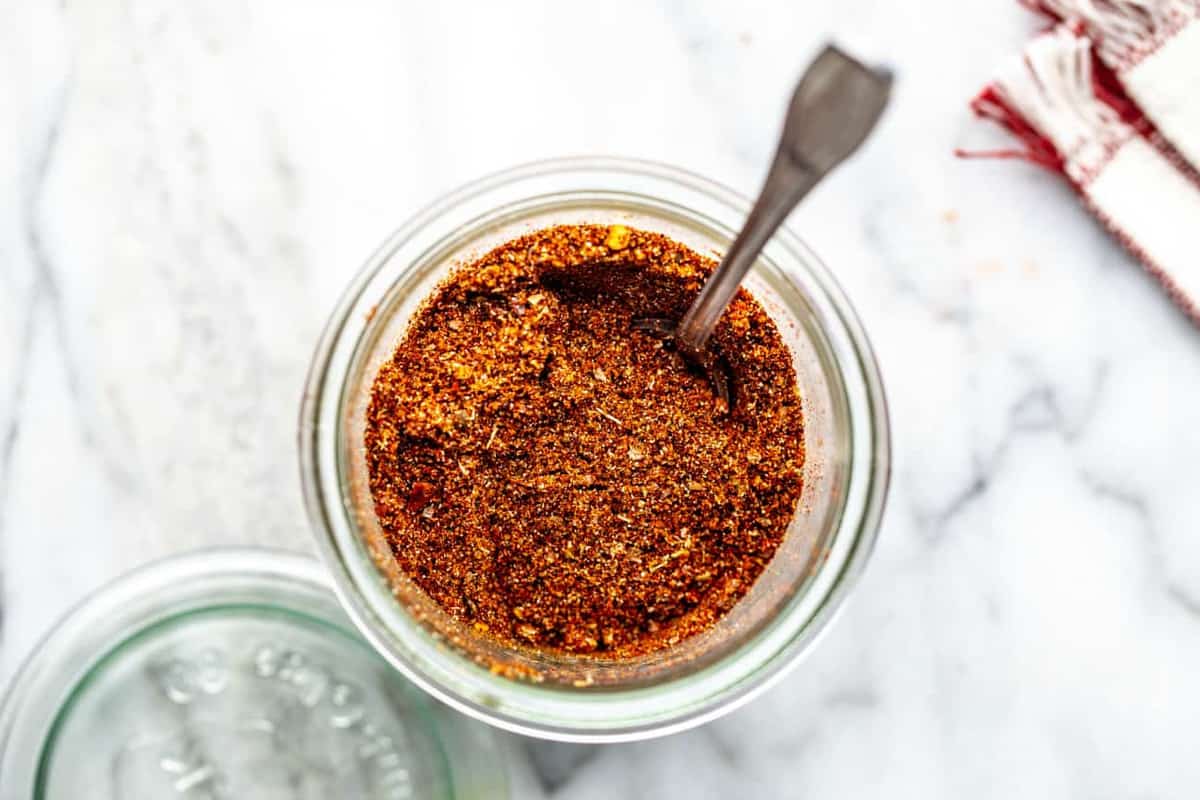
(561, 482)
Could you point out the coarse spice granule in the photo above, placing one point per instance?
(561, 482)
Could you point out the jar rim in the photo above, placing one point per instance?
(320, 484)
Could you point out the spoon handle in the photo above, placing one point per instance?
(836, 104)
(787, 183)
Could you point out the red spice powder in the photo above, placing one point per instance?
(562, 482)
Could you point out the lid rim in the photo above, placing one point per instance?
(100, 625)
(214, 561)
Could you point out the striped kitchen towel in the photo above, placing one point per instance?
(1153, 49)
(1075, 111)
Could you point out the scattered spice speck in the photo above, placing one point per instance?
(618, 238)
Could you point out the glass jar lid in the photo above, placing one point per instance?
(228, 673)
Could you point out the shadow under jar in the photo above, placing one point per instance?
(584, 698)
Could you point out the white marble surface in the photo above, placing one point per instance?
(185, 187)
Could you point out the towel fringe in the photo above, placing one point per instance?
(1126, 31)
(1052, 88)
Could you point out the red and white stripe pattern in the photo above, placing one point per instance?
(1153, 47)
(1056, 101)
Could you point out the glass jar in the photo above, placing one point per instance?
(577, 698)
(228, 673)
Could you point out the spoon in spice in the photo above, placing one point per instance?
(834, 108)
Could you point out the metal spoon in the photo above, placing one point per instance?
(834, 108)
